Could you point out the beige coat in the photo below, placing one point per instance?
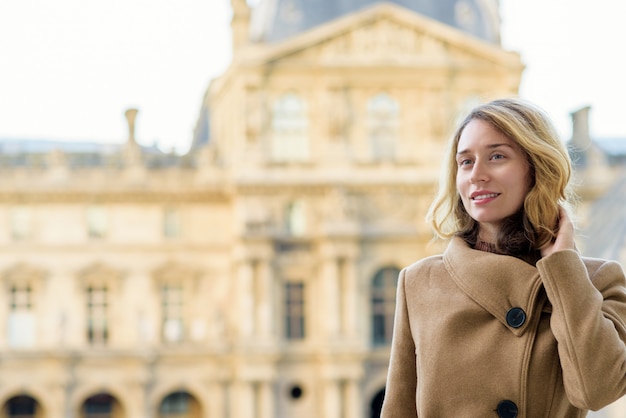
(480, 335)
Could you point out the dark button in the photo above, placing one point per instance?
(507, 409)
(515, 317)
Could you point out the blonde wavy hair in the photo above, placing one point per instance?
(550, 171)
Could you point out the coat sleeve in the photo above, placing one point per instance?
(402, 375)
(589, 323)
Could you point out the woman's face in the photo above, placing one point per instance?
(492, 176)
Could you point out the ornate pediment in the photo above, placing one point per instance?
(173, 272)
(99, 274)
(384, 34)
(23, 273)
(379, 40)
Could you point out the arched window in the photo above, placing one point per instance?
(383, 305)
(179, 405)
(290, 129)
(21, 406)
(382, 125)
(101, 405)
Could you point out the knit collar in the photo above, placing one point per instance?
(485, 246)
(488, 247)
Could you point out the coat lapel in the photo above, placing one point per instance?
(498, 283)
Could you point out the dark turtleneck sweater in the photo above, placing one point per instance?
(530, 258)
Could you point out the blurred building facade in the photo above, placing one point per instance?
(254, 276)
(600, 179)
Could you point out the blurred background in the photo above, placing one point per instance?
(204, 205)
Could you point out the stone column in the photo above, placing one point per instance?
(266, 400)
(349, 295)
(244, 294)
(353, 399)
(332, 399)
(264, 315)
(216, 407)
(131, 115)
(330, 297)
(242, 400)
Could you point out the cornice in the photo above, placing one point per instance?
(113, 196)
(324, 187)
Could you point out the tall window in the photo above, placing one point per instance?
(296, 218)
(290, 129)
(171, 223)
(294, 311)
(21, 223)
(97, 315)
(382, 124)
(172, 308)
(21, 317)
(96, 222)
(383, 305)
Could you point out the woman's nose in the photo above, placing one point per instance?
(479, 173)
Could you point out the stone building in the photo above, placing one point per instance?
(600, 176)
(255, 275)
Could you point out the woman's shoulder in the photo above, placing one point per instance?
(425, 264)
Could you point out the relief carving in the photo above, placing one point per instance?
(382, 40)
(256, 114)
(339, 114)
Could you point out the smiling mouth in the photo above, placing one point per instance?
(485, 196)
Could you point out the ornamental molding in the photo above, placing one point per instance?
(120, 196)
(23, 273)
(99, 274)
(175, 272)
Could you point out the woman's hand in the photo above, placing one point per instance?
(564, 237)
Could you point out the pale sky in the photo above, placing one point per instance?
(70, 68)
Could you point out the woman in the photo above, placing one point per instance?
(510, 321)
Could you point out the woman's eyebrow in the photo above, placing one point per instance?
(490, 146)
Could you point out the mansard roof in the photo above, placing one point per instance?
(24, 152)
(277, 20)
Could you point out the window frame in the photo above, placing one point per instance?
(294, 310)
(383, 288)
(290, 129)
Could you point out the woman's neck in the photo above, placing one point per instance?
(487, 235)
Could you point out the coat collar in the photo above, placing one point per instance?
(496, 282)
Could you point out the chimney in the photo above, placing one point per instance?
(131, 114)
(240, 24)
(132, 151)
(581, 139)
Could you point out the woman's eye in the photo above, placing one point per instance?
(465, 162)
(497, 156)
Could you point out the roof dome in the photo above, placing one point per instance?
(275, 20)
